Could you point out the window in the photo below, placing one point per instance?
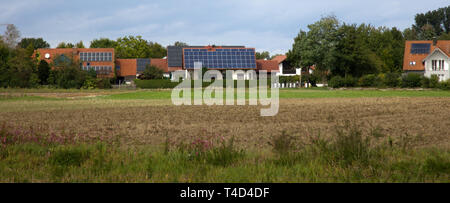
(437, 65)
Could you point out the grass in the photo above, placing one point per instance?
(348, 158)
(22, 94)
(117, 136)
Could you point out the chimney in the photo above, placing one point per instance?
(434, 41)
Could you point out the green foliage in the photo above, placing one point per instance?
(306, 51)
(445, 85)
(69, 156)
(64, 45)
(104, 83)
(36, 43)
(155, 84)
(262, 55)
(103, 43)
(370, 80)
(137, 47)
(152, 72)
(336, 82)
(411, 80)
(350, 81)
(43, 72)
(180, 44)
(79, 45)
(432, 23)
(89, 83)
(392, 79)
(21, 70)
(288, 79)
(67, 73)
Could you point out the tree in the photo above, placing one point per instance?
(427, 32)
(80, 45)
(317, 46)
(11, 36)
(438, 19)
(43, 72)
(64, 45)
(22, 70)
(36, 43)
(103, 43)
(67, 73)
(152, 72)
(180, 44)
(156, 50)
(4, 68)
(132, 47)
(262, 55)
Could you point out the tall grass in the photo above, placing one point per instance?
(352, 155)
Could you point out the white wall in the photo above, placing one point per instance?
(428, 66)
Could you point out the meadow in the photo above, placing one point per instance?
(319, 135)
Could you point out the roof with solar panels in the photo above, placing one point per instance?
(417, 51)
(211, 57)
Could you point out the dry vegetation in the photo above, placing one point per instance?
(423, 121)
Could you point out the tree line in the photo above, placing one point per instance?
(336, 48)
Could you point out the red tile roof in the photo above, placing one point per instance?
(268, 65)
(160, 63)
(443, 45)
(279, 58)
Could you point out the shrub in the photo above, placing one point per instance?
(151, 72)
(70, 156)
(445, 85)
(283, 144)
(155, 84)
(368, 80)
(336, 82)
(349, 81)
(104, 83)
(434, 81)
(425, 82)
(391, 79)
(411, 80)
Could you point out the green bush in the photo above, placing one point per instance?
(411, 80)
(155, 84)
(445, 85)
(391, 79)
(69, 156)
(368, 80)
(350, 81)
(104, 83)
(434, 81)
(336, 82)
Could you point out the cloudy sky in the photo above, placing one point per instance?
(267, 25)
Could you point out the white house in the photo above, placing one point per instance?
(428, 57)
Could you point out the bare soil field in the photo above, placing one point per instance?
(423, 122)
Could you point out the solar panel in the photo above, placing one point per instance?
(420, 48)
(220, 58)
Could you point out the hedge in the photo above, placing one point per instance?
(168, 84)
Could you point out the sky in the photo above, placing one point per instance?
(267, 25)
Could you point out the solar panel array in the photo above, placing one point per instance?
(220, 58)
(142, 64)
(99, 69)
(420, 48)
(96, 56)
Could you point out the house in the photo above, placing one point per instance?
(285, 68)
(428, 57)
(99, 59)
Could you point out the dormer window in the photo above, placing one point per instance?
(412, 63)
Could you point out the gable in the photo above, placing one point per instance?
(437, 54)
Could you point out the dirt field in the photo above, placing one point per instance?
(425, 121)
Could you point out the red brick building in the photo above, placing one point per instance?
(99, 59)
